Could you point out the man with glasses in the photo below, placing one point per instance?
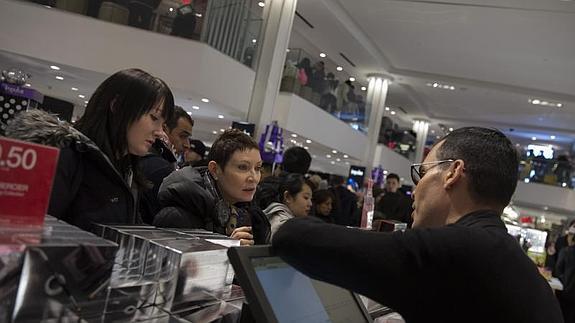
(458, 263)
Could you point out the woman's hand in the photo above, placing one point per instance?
(244, 234)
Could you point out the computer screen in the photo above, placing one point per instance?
(295, 297)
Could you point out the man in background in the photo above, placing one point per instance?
(393, 204)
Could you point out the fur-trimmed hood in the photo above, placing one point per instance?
(43, 128)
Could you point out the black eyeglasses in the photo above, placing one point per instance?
(417, 172)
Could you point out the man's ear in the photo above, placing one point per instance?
(454, 174)
(214, 169)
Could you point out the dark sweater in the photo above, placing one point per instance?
(470, 271)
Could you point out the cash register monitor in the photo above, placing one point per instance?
(277, 292)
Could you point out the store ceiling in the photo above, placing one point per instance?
(497, 54)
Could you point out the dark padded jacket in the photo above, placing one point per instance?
(87, 188)
(469, 271)
(189, 199)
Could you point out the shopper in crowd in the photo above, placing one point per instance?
(195, 156)
(393, 204)
(344, 207)
(565, 271)
(322, 204)
(295, 160)
(560, 243)
(97, 176)
(294, 200)
(161, 161)
(218, 197)
(457, 264)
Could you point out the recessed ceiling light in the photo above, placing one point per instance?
(308, 141)
(189, 112)
(328, 156)
(306, 147)
(261, 4)
(55, 68)
(313, 156)
(347, 163)
(451, 129)
(205, 100)
(339, 68)
(533, 138)
(220, 116)
(535, 101)
(195, 107)
(334, 151)
(171, 9)
(81, 96)
(254, 41)
(337, 159)
(352, 79)
(86, 102)
(294, 135)
(435, 85)
(332, 162)
(222, 130)
(386, 108)
(437, 137)
(322, 55)
(363, 88)
(345, 156)
(199, 15)
(215, 132)
(28, 84)
(74, 89)
(59, 78)
(552, 137)
(432, 131)
(392, 112)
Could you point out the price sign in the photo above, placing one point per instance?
(26, 174)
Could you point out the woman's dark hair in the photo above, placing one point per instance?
(228, 143)
(320, 196)
(118, 102)
(292, 184)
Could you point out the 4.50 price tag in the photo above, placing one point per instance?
(26, 175)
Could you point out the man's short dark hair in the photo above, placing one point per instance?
(228, 143)
(296, 160)
(392, 176)
(179, 112)
(491, 162)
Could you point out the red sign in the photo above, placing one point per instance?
(26, 174)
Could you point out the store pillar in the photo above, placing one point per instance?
(420, 127)
(375, 102)
(279, 15)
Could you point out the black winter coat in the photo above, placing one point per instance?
(190, 199)
(87, 188)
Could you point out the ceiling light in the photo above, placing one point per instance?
(392, 112)
(171, 9)
(339, 68)
(363, 88)
(195, 107)
(74, 89)
(345, 156)
(322, 55)
(306, 147)
(328, 156)
(54, 67)
(552, 137)
(215, 132)
(347, 163)
(294, 135)
(337, 159)
(386, 108)
(254, 41)
(308, 141)
(435, 85)
(261, 4)
(352, 79)
(535, 101)
(86, 102)
(533, 138)
(452, 88)
(432, 131)
(450, 129)
(334, 151)
(28, 84)
(189, 113)
(441, 86)
(205, 100)
(559, 105)
(199, 15)
(313, 156)
(222, 130)
(81, 96)
(220, 116)
(59, 78)
(332, 162)
(437, 137)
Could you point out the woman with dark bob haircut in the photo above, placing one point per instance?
(218, 197)
(97, 179)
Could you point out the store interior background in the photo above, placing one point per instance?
(507, 64)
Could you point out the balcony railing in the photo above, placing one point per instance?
(557, 172)
(320, 82)
(230, 26)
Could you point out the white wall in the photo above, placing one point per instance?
(99, 46)
(545, 195)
